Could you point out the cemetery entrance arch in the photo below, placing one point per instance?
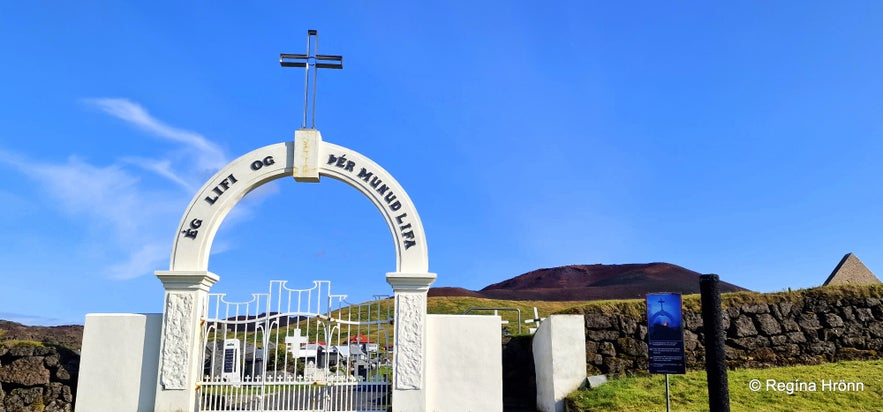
(307, 159)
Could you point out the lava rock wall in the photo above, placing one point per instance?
(37, 377)
(803, 327)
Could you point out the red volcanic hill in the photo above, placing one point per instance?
(591, 282)
(68, 336)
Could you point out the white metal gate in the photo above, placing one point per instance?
(296, 350)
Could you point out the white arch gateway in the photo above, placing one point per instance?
(152, 362)
(307, 159)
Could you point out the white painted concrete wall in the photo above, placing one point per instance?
(559, 353)
(119, 362)
(464, 368)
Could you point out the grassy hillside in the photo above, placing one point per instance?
(459, 304)
(693, 303)
(68, 336)
(791, 390)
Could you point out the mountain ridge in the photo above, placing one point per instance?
(67, 336)
(591, 282)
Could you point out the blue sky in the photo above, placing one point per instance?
(743, 140)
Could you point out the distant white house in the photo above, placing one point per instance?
(299, 347)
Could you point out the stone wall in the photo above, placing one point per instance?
(762, 330)
(37, 377)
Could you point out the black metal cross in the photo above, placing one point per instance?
(311, 59)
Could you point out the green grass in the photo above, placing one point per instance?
(247, 389)
(636, 307)
(631, 307)
(456, 305)
(21, 342)
(689, 392)
(435, 305)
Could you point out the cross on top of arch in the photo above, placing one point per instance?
(311, 61)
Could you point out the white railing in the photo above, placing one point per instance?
(290, 395)
(296, 350)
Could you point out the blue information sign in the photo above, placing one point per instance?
(665, 333)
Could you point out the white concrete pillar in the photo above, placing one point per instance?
(181, 342)
(409, 362)
(118, 363)
(559, 356)
(464, 363)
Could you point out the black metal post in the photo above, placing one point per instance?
(715, 351)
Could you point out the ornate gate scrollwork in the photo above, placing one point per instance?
(296, 350)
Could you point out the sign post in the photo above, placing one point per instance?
(665, 337)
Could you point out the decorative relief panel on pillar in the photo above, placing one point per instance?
(176, 346)
(409, 341)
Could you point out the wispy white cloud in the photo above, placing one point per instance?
(145, 259)
(130, 216)
(207, 155)
(114, 202)
(162, 167)
(109, 194)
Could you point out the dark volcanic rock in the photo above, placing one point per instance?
(591, 282)
(754, 337)
(27, 371)
(68, 336)
(37, 377)
(451, 291)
